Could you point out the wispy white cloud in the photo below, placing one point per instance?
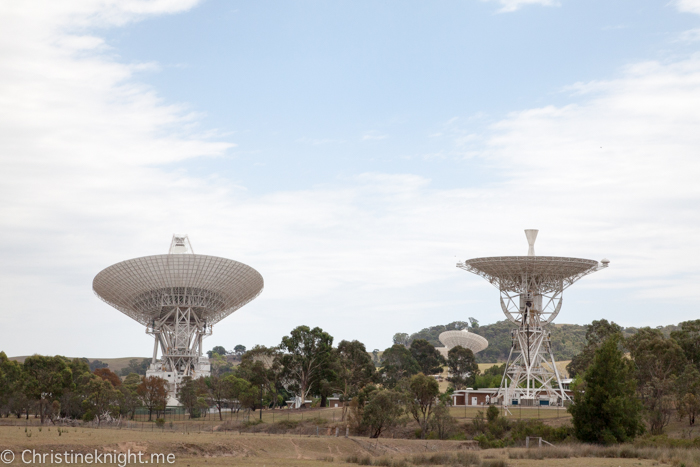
(688, 6)
(82, 146)
(373, 135)
(614, 27)
(514, 5)
(621, 164)
(691, 35)
(319, 141)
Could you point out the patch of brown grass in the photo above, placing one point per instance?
(673, 456)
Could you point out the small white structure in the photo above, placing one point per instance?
(566, 383)
(463, 338)
(296, 403)
(334, 402)
(474, 397)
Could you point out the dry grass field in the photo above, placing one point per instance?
(561, 366)
(321, 417)
(515, 413)
(232, 449)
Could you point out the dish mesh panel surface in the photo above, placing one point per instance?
(144, 288)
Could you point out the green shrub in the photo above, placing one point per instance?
(498, 427)
(160, 422)
(523, 428)
(88, 416)
(288, 424)
(488, 442)
(249, 423)
(492, 413)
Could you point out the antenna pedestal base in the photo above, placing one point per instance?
(531, 377)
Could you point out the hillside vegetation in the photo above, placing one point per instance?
(568, 340)
(114, 364)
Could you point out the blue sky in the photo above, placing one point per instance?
(326, 90)
(352, 152)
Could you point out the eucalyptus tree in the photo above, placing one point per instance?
(219, 350)
(217, 392)
(240, 392)
(47, 378)
(102, 400)
(262, 367)
(421, 396)
(307, 353)
(191, 393)
(658, 361)
(397, 363)
(427, 356)
(382, 411)
(129, 399)
(153, 392)
(12, 380)
(687, 389)
(688, 338)
(596, 333)
(401, 338)
(354, 369)
(462, 367)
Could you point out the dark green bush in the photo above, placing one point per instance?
(523, 428)
(288, 424)
(88, 416)
(492, 413)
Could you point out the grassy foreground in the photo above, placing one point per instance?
(327, 415)
(247, 449)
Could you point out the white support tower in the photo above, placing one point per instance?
(178, 297)
(531, 289)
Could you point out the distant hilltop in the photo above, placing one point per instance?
(568, 340)
(114, 364)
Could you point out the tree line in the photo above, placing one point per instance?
(307, 367)
(620, 382)
(304, 366)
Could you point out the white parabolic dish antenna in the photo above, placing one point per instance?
(541, 278)
(463, 338)
(178, 297)
(531, 289)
